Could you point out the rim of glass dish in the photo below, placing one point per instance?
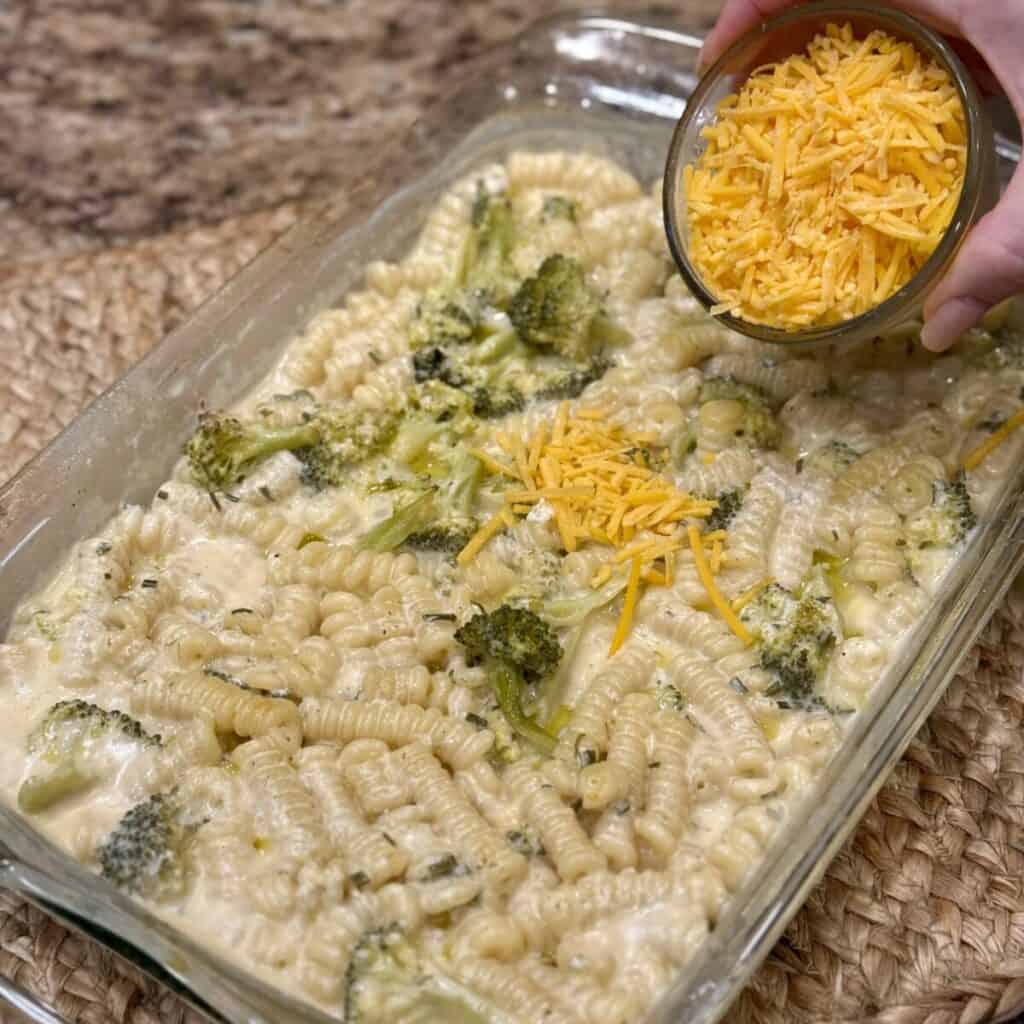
(954, 234)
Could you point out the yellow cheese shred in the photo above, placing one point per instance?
(479, 540)
(601, 483)
(976, 457)
(628, 606)
(704, 572)
(749, 594)
(494, 465)
(827, 181)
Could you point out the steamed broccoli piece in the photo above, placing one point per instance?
(760, 427)
(408, 517)
(555, 309)
(487, 270)
(487, 395)
(571, 382)
(949, 518)
(453, 524)
(558, 208)
(436, 412)
(446, 538)
(573, 609)
(444, 318)
(387, 982)
(145, 854)
(440, 402)
(76, 745)
(434, 516)
(997, 350)
(727, 504)
(346, 436)
(378, 958)
(796, 636)
(830, 459)
(223, 449)
(435, 363)
(517, 648)
(492, 401)
(491, 395)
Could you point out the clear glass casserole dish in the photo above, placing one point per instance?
(610, 86)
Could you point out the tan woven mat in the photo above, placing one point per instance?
(920, 919)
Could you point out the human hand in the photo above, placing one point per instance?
(990, 264)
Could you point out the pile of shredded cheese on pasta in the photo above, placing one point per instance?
(596, 477)
(827, 182)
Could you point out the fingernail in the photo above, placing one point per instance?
(948, 322)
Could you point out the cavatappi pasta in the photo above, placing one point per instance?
(495, 700)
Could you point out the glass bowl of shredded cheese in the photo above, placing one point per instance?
(825, 172)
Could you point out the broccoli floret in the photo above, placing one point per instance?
(557, 310)
(412, 511)
(999, 349)
(496, 400)
(518, 648)
(76, 745)
(346, 436)
(378, 957)
(435, 364)
(571, 610)
(796, 636)
(415, 436)
(223, 449)
(949, 518)
(388, 982)
(558, 208)
(760, 427)
(487, 270)
(477, 372)
(453, 523)
(487, 400)
(727, 504)
(145, 854)
(830, 459)
(440, 402)
(436, 414)
(669, 698)
(566, 383)
(444, 318)
(446, 538)
(434, 516)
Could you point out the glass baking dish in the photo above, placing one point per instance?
(611, 86)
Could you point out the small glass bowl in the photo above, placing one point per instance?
(776, 39)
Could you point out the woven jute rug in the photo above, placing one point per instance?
(920, 919)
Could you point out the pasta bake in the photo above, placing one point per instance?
(467, 668)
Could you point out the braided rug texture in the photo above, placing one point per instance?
(919, 920)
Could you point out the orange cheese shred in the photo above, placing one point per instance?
(704, 572)
(976, 457)
(628, 606)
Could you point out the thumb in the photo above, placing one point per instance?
(988, 268)
(737, 17)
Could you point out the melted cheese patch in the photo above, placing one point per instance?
(827, 182)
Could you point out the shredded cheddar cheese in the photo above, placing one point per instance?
(827, 181)
(596, 478)
(704, 572)
(628, 606)
(976, 457)
(749, 594)
(490, 529)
